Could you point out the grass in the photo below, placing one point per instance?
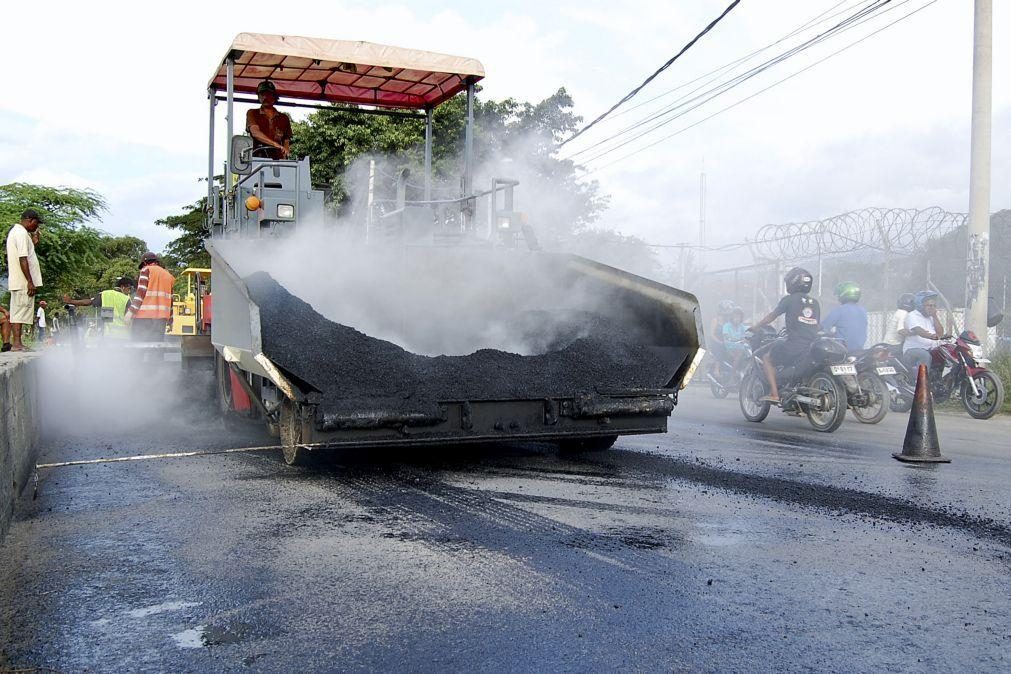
(1001, 365)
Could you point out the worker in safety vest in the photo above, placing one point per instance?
(115, 300)
(151, 307)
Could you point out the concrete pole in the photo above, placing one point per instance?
(977, 267)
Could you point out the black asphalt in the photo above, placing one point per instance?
(722, 546)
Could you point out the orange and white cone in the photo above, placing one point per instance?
(921, 444)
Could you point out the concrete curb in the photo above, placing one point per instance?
(19, 429)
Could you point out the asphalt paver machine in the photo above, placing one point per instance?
(426, 326)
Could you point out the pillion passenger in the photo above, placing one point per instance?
(115, 300)
(270, 128)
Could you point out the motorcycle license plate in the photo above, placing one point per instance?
(844, 369)
(886, 370)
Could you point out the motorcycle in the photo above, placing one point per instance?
(726, 379)
(958, 368)
(815, 386)
(870, 399)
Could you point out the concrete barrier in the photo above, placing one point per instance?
(19, 428)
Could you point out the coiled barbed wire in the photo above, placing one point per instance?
(890, 230)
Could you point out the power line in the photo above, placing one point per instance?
(649, 79)
(684, 103)
(811, 22)
(760, 91)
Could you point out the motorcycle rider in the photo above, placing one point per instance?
(923, 329)
(849, 319)
(716, 346)
(897, 324)
(802, 315)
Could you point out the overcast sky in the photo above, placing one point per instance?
(112, 96)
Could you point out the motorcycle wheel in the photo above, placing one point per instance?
(899, 403)
(991, 400)
(719, 391)
(877, 399)
(753, 388)
(826, 421)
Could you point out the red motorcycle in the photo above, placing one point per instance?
(958, 368)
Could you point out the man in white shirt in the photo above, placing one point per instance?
(923, 330)
(40, 323)
(23, 274)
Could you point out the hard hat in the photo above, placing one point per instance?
(798, 280)
(906, 301)
(847, 291)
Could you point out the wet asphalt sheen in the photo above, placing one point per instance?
(722, 546)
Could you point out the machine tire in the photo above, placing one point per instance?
(879, 395)
(837, 394)
(290, 426)
(577, 445)
(751, 408)
(992, 400)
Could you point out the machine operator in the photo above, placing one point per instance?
(270, 128)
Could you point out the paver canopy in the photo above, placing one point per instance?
(346, 72)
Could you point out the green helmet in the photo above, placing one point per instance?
(848, 291)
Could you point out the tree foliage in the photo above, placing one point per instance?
(187, 249)
(75, 257)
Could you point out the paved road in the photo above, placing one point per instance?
(722, 546)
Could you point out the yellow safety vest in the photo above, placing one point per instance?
(118, 302)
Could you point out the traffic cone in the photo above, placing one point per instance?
(921, 443)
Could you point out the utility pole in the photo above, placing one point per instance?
(978, 262)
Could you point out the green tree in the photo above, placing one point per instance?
(187, 249)
(68, 247)
(511, 139)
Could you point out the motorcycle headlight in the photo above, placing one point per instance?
(976, 351)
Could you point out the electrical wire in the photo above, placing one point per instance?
(743, 100)
(649, 79)
(683, 105)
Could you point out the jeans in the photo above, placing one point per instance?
(916, 357)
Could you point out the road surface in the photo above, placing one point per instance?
(721, 546)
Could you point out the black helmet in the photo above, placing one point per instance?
(907, 302)
(798, 280)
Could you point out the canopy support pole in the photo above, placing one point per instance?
(428, 154)
(230, 96)
(468, 156)
(210, 148)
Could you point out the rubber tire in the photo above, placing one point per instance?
(290, 427)
(966, 395)
(881, 391)
(598, 444)
(719, 392)
(839, 412)
(749, 382)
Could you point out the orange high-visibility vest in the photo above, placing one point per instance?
(158, 298)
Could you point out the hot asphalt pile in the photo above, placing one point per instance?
(352, 369)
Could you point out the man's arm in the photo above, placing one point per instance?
(90, 302)
(23, 262)
(831, 321)
(138, 297)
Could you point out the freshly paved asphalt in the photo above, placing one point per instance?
(722, 546)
